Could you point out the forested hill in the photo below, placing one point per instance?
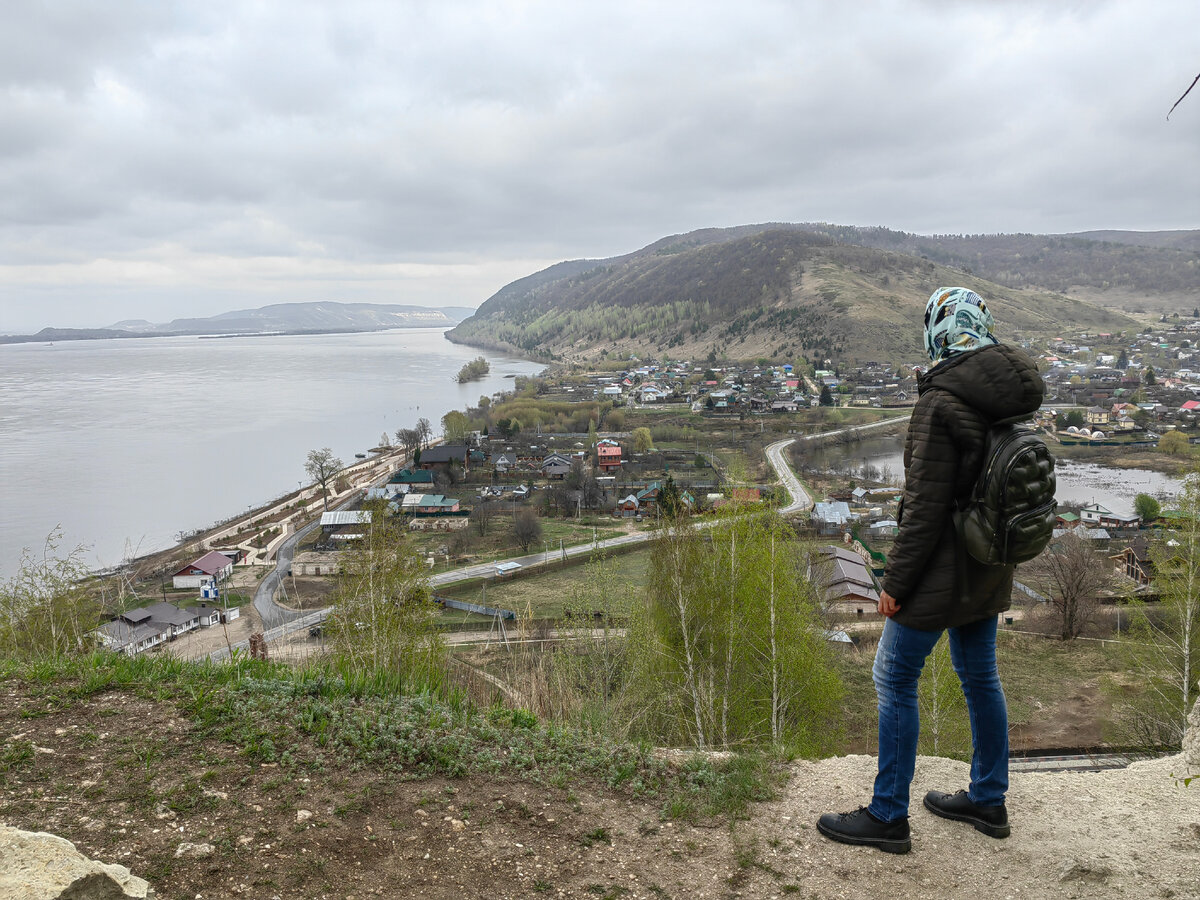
(767, 290)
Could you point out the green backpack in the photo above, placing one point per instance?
(1010, 515)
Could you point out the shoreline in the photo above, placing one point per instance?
(361, 474)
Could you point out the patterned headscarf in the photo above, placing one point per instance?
(956, 320)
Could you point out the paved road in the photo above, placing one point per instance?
(801, 500)
(264, 597)
(279, 621)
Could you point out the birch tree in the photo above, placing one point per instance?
(945, 728)
(1164, 645)
(728, 649)
(386, 620)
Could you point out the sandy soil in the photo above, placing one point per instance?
(203, 641)
(1126, 833)
(258, 830)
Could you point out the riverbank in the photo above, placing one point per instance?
(279, 519)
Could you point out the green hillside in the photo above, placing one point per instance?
(770, 290)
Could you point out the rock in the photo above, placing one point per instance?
(198, 851)
(1191, 740)
(40, 866)
(303, 815)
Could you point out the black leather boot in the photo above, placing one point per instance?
(860, 827)
(991, 820)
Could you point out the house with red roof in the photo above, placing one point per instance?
(212, 566)
(608, 454)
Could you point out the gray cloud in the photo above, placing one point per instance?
(165, 159)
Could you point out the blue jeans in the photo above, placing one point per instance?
(898, 663)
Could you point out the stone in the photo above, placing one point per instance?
(1191, 740)
(303, 815)
(198, 851)
(41, 866)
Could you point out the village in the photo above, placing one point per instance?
(598, 449)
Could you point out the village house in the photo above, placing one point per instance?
(345, 524)
(429, 504)
(608, 455)
(555, 465)
(831, 518)
(1096, 516)
(844, 577)
(1137, 563)
(212, 566)
(137, 630)
(443, 457)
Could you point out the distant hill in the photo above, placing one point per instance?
(765, 290)
(290, 318)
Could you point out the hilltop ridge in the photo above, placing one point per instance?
(291, 318)
(778, 290)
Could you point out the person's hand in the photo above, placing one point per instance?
(888, 605)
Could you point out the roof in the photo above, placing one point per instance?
(838, 511)
(428, 500)
(339, 517)
(443, 453)
(171, 615)
(409, 476)
(211, 563)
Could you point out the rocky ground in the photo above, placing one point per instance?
(124, 778)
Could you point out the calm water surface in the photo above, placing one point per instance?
(125, 443)
(1078, 482)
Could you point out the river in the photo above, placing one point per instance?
(125, 443)
(1079, 483)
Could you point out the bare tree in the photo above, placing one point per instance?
(424, 431)
(1074, 577)
(1165, 654)
(527, 528)
(481, 516)
(322, 466)
(409, 439)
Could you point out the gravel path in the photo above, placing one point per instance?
(1125, 833)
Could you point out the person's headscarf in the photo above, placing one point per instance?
(956, 320)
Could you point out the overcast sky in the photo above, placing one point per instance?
(162, 159)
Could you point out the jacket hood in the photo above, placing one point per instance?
(999, 381)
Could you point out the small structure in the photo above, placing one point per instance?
(1138, 564)
(345, 524)
(555, 465)
(628, 506)
(443, 456)
(608, 454)
(410, 477)
(845, 577)
(429, 504)
(831, 518)
(210, 567)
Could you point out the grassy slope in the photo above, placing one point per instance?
(758, 295)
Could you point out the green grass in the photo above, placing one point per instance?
(315, 719)
(1037, 673)
(549, 594)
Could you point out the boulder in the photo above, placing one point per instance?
(1191, 739)
(40, 866)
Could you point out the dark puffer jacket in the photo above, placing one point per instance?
(959, 399)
